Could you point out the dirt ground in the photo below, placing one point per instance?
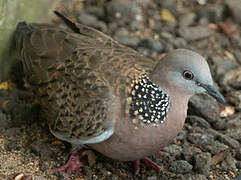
(208, 148)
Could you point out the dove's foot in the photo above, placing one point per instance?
(161, 154)
(148, 162)
(73, 164)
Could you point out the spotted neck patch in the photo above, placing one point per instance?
(149, 104)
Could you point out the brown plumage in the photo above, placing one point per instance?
(77, 77)
(98, 92)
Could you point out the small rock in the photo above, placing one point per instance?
(180, 166)
(92, 21)
(151, 44)
(238, 153)
(238, 165)
(198, 121)
(187, 19)
(189, 152)
(204, 106)
(201, 139)
(128, 41)
(229, 141)
(195, 33)
(237, 52)
(152, 178)
(95, 11)
(203, 163)
(214, 13)
(114, 177)
(173, 149)
(234, 123)
(178, 42)
(13, 131)
(87, 19)
(229, 163)
(235, 9)
(215, 148)
(220, 124)
(235, 98)
(231, 77)
(4, 122)
(12, 145)
(124, 11)
(222, 65)
(39, 178)
(42, 149)
(194, 177)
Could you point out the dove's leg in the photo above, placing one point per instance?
(74, 163)
(137, 167)
(161, 154)
(152, 164)
(148, 162)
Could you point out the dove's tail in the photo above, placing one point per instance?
(68, 22)
(14, 63)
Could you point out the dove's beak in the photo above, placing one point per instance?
(212, 91)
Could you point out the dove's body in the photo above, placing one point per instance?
(90, 89)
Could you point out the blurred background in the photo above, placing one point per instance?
(209, 146)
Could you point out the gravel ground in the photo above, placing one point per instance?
(209, 145)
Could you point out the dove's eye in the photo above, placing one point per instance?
(188, 75)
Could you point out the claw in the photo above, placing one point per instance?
(148, 162)
(73, 164)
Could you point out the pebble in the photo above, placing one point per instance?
(195, 33)
(220, 124)
(189, 152)
(233, 76)
(229, 163)
(238, 153)
(214, 13)
(124, 11)
(87, 19)
(198, 121)
(173, 149)
(42, 149)
(238, 165)
(204, 106)
(91, 20)
(203, 163)
(4, 122)
(235, 9)
(180, 166)
(201, 139)
(235, 98)
(129, 41)
(152, 44)
(223, 65)
(187, 19)
(215, 148)
(152, 178)
(228, 141)
(194, 177)
(13, 131)
(96, 11)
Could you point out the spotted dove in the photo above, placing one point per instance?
(97, 92)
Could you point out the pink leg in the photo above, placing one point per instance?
(73, 164)
(137, 167)
(148, 162)
(161, 154)
(152, 164)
